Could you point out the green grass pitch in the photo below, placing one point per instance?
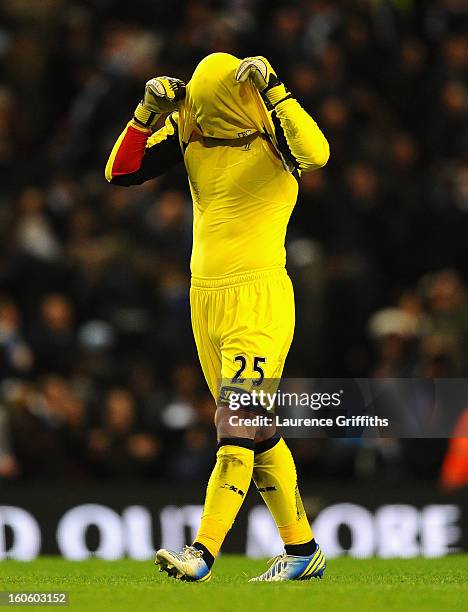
(349, 584)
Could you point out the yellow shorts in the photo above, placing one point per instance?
(243, 326)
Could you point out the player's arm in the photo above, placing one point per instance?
(300, 139)
(139, 155)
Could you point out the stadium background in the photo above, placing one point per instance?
(99, 381)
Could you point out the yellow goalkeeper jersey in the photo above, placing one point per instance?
(243, 163)
(242, 200)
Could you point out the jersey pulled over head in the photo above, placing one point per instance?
(217, 106)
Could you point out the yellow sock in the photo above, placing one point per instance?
(275, 477)
(227, 488)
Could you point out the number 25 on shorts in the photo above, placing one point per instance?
(256, 367)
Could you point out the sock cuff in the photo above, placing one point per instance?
(208, 558)
(241, 442)
(301, 550)
(266, 445)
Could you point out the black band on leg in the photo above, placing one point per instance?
(243, 442)
(262, 447)
(301, 550)
(207, 556)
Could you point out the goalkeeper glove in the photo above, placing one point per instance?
(161, 96)
(264, 78)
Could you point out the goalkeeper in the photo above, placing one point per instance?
(244, 141)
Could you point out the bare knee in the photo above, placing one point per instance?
(236, 424)
(233, 424)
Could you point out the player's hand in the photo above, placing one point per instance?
(258, 69)
(161, 96)
(163, 93)
(260, 72)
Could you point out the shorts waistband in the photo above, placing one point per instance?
(223, 282)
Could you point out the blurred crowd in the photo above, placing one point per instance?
(98, 371)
